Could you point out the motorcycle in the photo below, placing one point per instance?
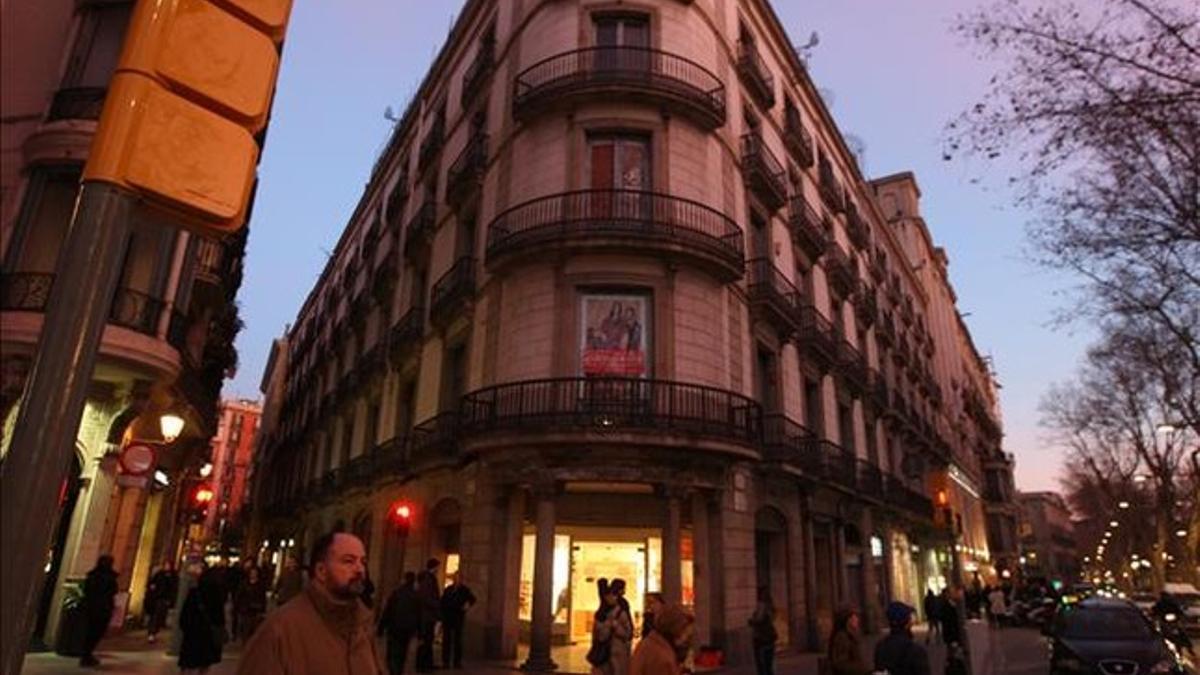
(1171, 627)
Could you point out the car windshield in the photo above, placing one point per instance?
(1104, 624)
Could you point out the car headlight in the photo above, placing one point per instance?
(1164, 666)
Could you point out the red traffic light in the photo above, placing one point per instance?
(402, 511)
(204, 496)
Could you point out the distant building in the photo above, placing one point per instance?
(1048, 536)
(232, 453)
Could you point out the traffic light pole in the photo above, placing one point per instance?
(85, 281)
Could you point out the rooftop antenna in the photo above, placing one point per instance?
(804, 51)
(390, 115)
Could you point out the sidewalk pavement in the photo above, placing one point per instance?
(129, 653)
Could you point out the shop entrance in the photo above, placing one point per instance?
(593, 560)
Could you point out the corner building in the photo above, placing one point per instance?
(617, 302)
(168, 339)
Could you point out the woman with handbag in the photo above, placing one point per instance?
(611, 632)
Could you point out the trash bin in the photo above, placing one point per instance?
(72, 626)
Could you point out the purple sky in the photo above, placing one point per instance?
(892, 81)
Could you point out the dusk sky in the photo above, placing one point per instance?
(893, 75)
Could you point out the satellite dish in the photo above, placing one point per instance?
(390, 115)
(804, 50)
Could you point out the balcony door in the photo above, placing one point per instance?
(621, 44)
(619, 168)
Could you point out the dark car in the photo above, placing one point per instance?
(1101, 636)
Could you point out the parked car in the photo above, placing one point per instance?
(1102, 635)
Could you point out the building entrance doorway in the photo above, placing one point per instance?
(593, 560)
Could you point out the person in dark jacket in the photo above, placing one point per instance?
(933, 614)
(213, 593)
(845, 655)
(763, 634)
(400, 621)
(99, 593)
(654, 605)
(250, 603)
(290, 582)
(431, 604)
(457, 598)
(950, 617)
(898, 653)
(160, 597)
(201, 643)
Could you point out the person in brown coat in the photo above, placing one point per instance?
(845, 655)
(325, 629)
(665, 650)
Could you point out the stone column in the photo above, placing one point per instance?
(871, 608)
(545, 495)
(839, 560)
(672, 573)
(702, 572)
(810, 575)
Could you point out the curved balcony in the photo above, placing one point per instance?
(614, 406)
(624, 220)
(622, 73)
(25, 291)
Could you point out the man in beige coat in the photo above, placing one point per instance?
(326, 629)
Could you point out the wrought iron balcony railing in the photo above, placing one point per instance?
(755, 74)
(432, 143)
(629, 220)
(623, 72)
(25, 291)
(840, 270)
(452, 291)
(136, 311)
(477, 74)
(816, 335)
(797, 139)
(773, 297)
(853, 366)
(465, 175)
(857, 229)
(809, 231)
(830, 191)
(421, 228)
(407, 332)
(762, 172)
(612, 404)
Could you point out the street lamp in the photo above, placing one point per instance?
(1181, 533)
(1122, 504)
(1113, 523)
(170, 425)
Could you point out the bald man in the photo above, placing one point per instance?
(325, 629)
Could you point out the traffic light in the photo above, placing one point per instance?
(401, 515)
(192, 88)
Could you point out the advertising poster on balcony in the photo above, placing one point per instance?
(614, 336)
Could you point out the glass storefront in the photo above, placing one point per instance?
(582, 556)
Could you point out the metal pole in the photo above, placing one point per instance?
(86, 276)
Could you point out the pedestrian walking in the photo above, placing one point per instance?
(250, 603)
(325, 629)
(214, 593)
(457, 598)
(951, 618)
(654, 606)
(998, 607)
(845, 654)
(933, 614)
(431, 604)
(290, 582)
(898, 653)
(763, 634)
(400, 621)
(160, 597)
(99, 594)
(200, 646)
(612, 630)
(666, 649)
